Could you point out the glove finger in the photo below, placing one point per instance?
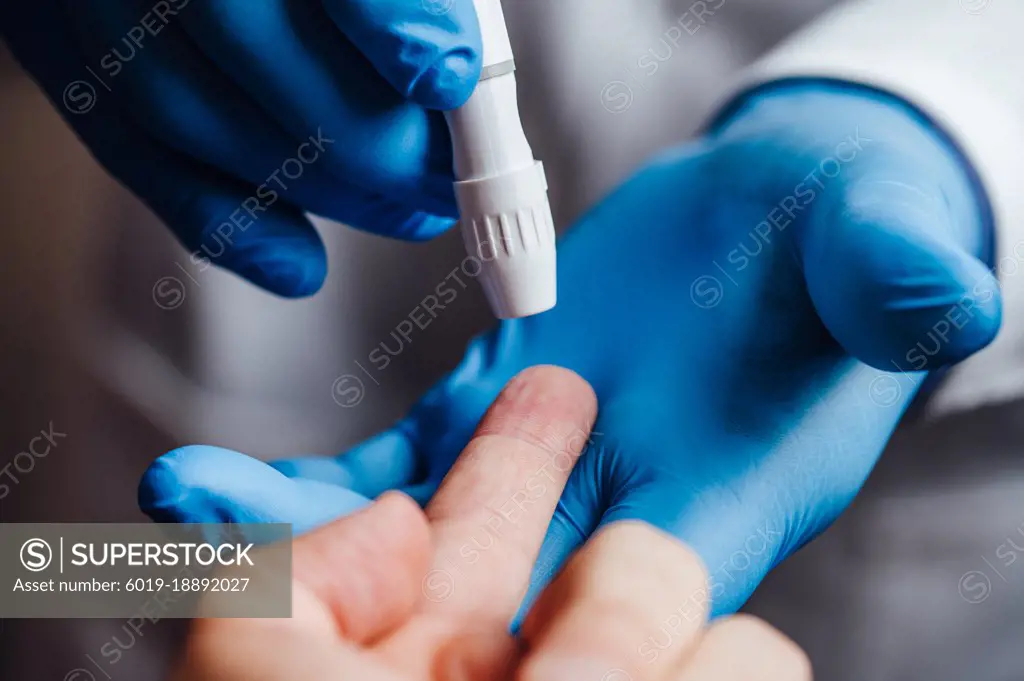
(430, 51)
(173, 92)
(281, 252)
(422, 493)
(384, 462)
(278, 249)
(202, 484)
(289, 57)
(890, 265)
(576, 518)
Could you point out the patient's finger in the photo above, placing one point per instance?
(743, 648)
(630, 605)
(491, 512)
(365, 570)
(354, 580)
(272, 650)
(487, 652)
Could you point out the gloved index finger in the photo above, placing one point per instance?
(491, 512)
(429, 50)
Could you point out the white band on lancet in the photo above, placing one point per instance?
(488, 72)
(501, 190)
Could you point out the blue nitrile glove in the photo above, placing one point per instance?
(753, 312)
(232, 117)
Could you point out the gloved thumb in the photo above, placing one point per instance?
(429, 50)
(891, 260)
(212, 485)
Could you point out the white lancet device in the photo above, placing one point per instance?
(501, 189)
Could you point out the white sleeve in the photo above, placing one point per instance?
(962, 63)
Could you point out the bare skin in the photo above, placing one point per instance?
(396, 593)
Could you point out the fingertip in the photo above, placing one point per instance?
(926, 320)
(545, 405)
(396, 509)
(202, 484)
(158, 493)
(896, 289)
(448, 82)
(398, 520)
(222, 223)
(414, 538)
(287, 259)
(174, 487)
(558, 380)
(975, 318)
(367, 568)
(763, 646)
(429, 50)
(626, 579)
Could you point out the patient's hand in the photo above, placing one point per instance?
(395, 593)
(390, 592)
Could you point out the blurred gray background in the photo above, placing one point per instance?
(111, 337)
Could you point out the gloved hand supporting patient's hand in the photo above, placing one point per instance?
(754, 312)
(232, 117)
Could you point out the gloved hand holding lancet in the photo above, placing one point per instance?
(501, 189)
